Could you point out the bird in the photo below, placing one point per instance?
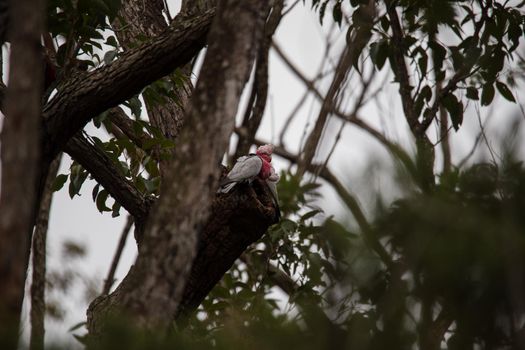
(249, 167)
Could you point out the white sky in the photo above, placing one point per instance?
(302, 38)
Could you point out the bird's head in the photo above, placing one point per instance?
(265, 151)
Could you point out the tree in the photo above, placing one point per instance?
(415, 273)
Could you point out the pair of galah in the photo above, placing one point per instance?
(247, 168)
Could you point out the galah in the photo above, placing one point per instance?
(249, 167)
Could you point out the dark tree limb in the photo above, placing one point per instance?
(106, 173)
(89, 94)
(118, 252)
(138, 18)
(119, 119)
(237, 220)
(425, 150)
(20, 154)
(38, 284)
(401, 70)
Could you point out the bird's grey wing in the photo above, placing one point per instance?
(245, 168)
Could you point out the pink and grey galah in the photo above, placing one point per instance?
(249, 167)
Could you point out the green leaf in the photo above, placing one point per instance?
(115, 209)
(94, 193)
(59, 182)
(487, 94)
(322, 11)
(505, 91)
(472, 93)
(385, 23)
(77, 326)
(135, 106)
(76, 179)
(424, 95)
(438, 54)
(337, 13)
(110, 56)
(152, 185)
(310, 214)
(112, 41)
(101, 201)
(81, 338)
(379, 53)
(455, 109)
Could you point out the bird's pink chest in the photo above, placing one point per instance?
(266, 169)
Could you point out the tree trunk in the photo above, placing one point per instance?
(151, 292)
(20, 154)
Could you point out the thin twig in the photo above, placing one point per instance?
(290, 8)
(110, 279)
(38, 284)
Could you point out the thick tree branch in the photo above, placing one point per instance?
(119, 118)
(102, 168)
(237, 220)
(89, 94)
(138, 18)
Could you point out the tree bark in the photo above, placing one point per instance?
(20, 154)
(151, 292)
(86, 95)
(139, 18)
(237, 220)
(102, 168)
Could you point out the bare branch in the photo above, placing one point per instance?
(110, 279)
(278, 276)
(102, 168)
(89, 94)
(400, 68)
(38, 285)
